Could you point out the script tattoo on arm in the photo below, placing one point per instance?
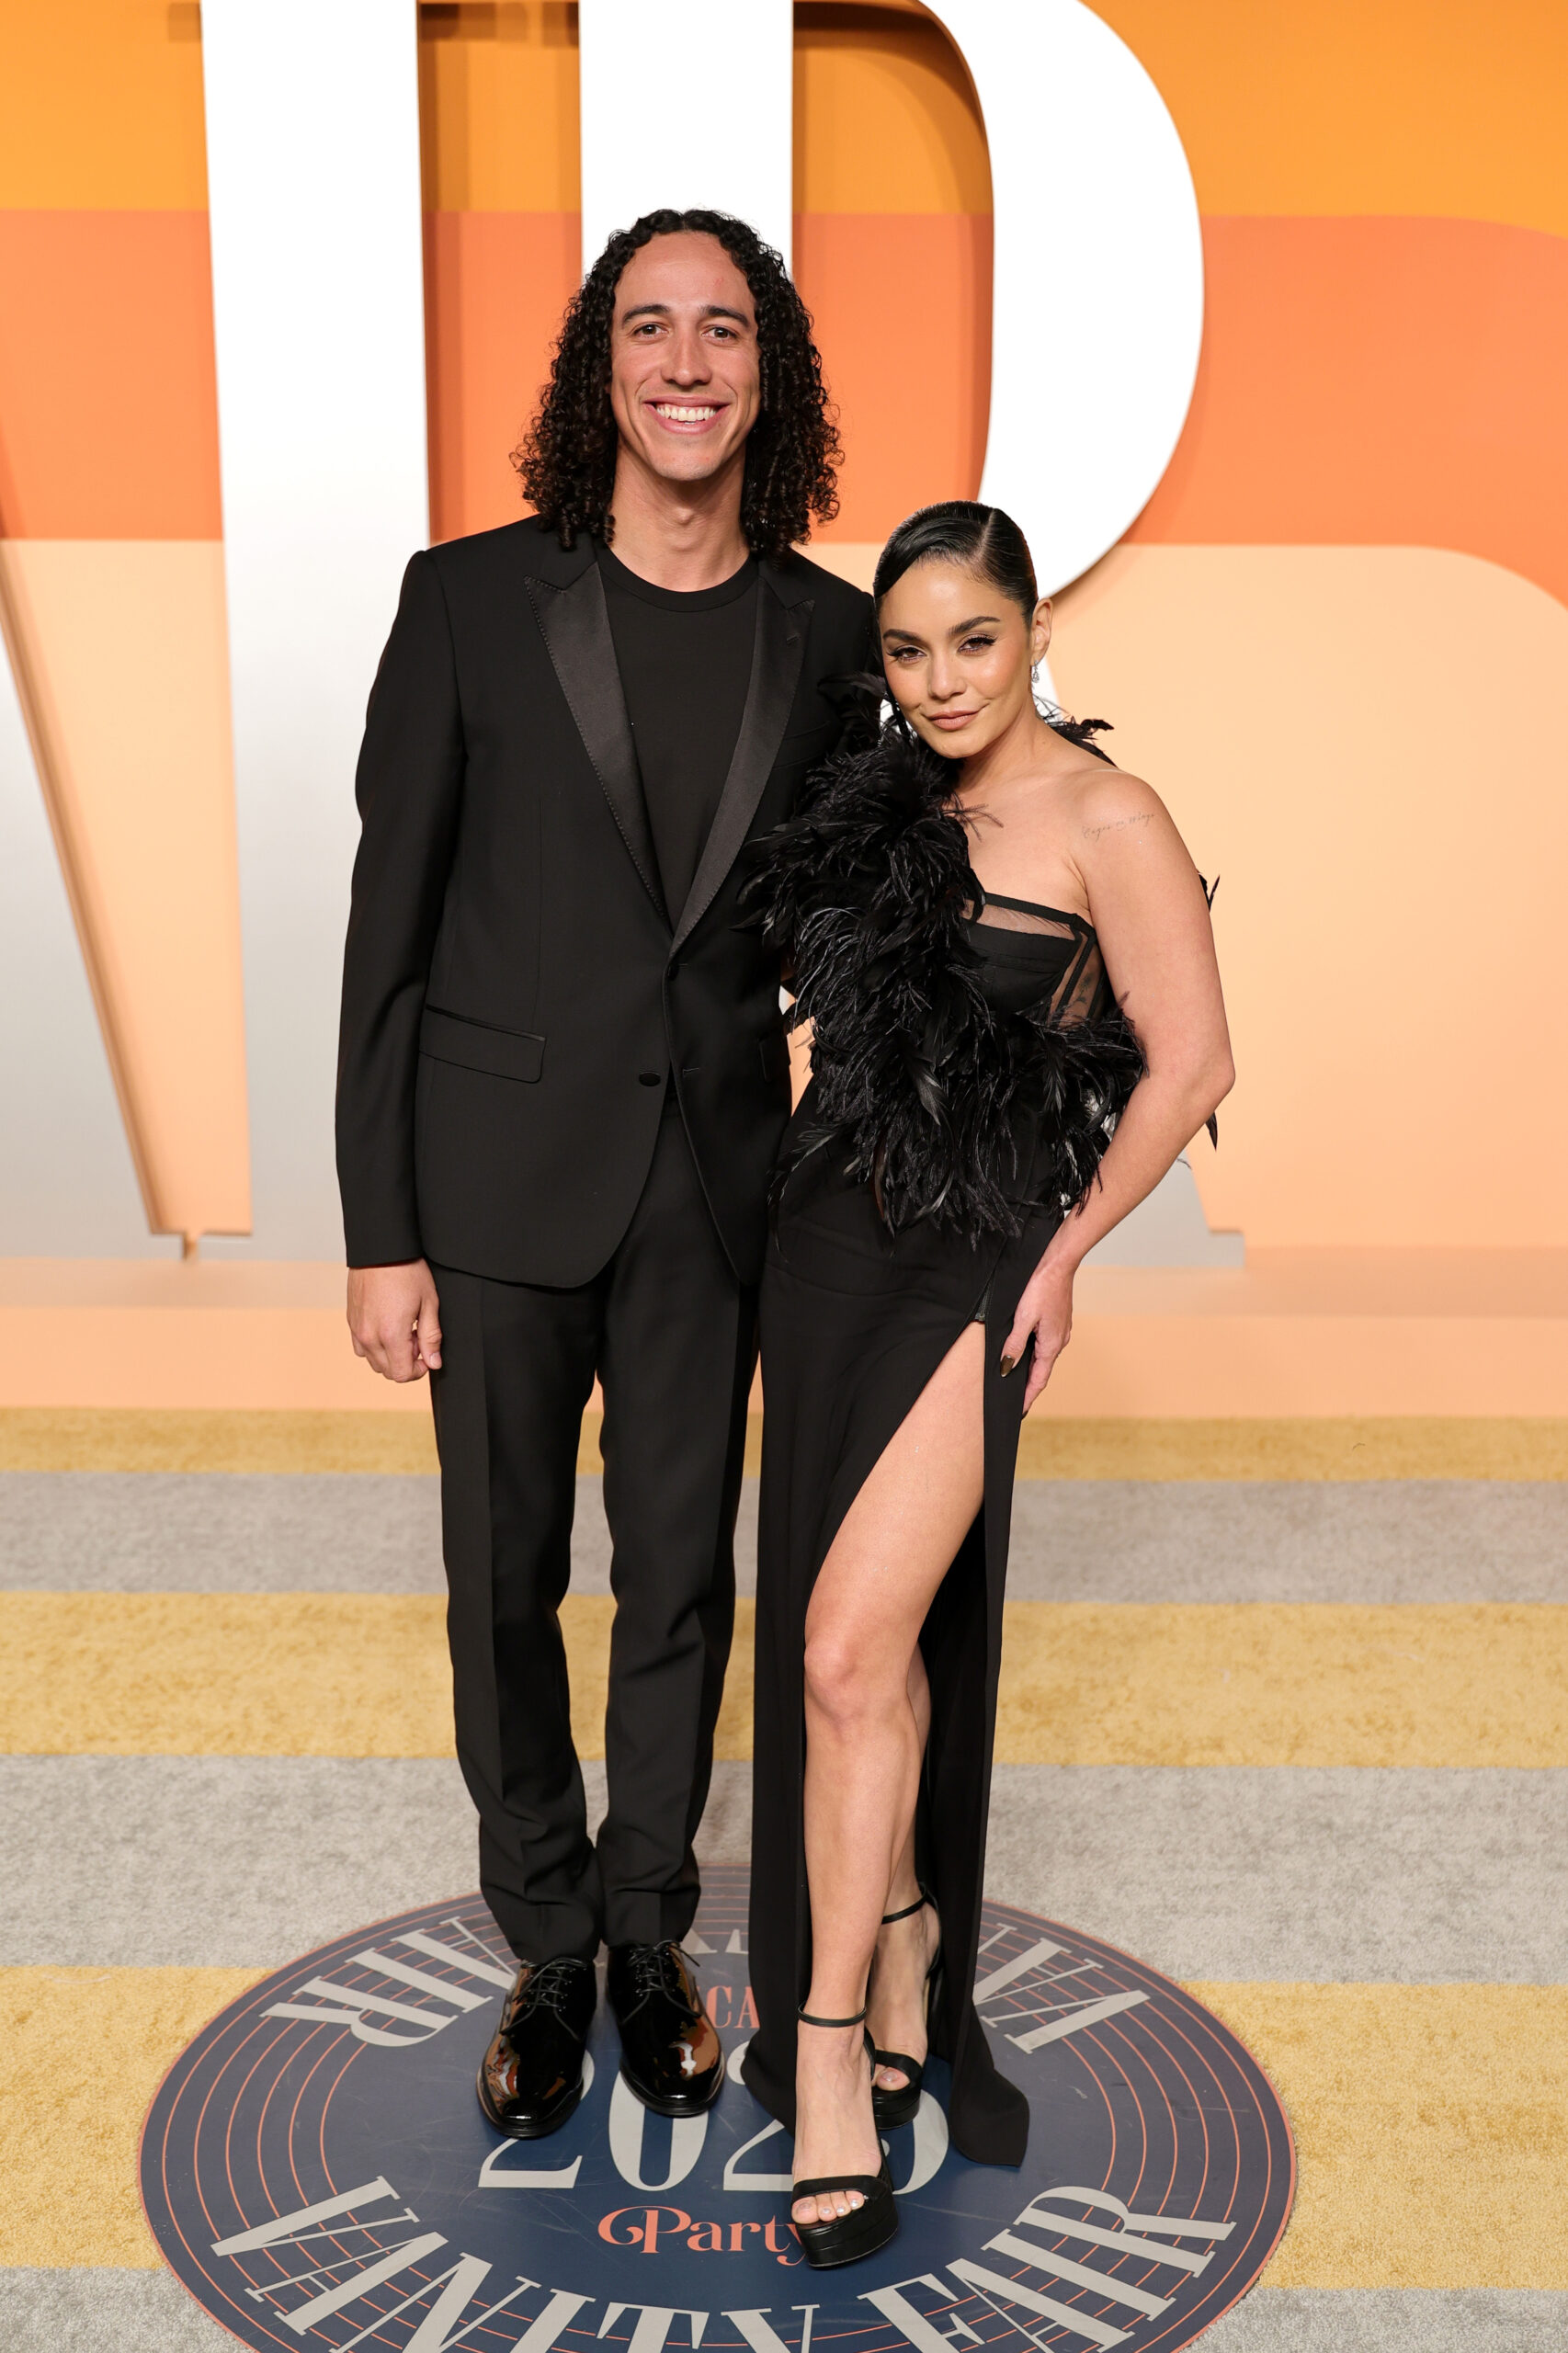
(1093, 833)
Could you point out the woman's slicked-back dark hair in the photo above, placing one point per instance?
(987, 541)
(567, 462)
(960, 531)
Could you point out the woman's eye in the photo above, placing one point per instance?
(976, 644)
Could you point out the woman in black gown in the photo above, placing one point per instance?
(1005, 953)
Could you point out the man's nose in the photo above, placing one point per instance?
(686, 358)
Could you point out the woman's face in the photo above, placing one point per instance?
(957, 655)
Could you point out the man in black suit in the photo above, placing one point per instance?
(562, 1079)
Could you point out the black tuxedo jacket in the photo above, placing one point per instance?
(515, 993)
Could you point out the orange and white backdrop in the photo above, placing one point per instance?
(1334, 636)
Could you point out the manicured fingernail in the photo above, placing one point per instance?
(1009, 1364)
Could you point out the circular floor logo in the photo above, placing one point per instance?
(317, 2172)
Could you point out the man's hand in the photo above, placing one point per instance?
(395, 1319)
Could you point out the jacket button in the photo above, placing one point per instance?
(649, 1078)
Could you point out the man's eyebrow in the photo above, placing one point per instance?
(663, 310)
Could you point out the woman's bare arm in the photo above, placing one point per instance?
(1149, 913)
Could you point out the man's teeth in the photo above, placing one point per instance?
(685, 416)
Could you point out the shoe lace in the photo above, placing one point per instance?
(658, 1969)
(547, 1988)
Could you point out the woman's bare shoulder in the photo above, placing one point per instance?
(1111, 806)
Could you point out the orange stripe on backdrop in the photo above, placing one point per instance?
(498, 117)
(1380, 106)
(902, 310)
(1378, 383)
(109, 418)
(496, 284)
(886, 119)
(100, 103)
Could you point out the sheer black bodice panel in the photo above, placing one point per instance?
(1032, 953)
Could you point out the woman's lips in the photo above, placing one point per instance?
(952, 719)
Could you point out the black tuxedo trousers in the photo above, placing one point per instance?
(672, 1334)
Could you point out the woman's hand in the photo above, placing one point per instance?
(1045, 1310)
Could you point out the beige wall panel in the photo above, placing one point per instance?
(1370, 746)
(123, 663)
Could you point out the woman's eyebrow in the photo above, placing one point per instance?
(959, 628)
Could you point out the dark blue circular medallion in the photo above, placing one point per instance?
(316, 2170)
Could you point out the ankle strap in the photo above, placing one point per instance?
(806, 2019)
(909, 1910)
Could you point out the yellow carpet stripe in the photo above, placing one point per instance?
(86, 1439)
(90, 1439)
(271, 1674)
(1276, 1682)
(1429, 2124)
(82, 2053)
(352, 1674)
(1429, 2120)
(1401, 1447)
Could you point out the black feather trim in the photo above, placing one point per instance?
(922, 1087)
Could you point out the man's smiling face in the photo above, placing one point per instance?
(684, 376)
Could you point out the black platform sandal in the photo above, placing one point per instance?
(865, 2230)
(891, 2107)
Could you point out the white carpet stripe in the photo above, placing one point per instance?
(1373, 1540)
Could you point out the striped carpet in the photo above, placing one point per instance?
(1284, 1712)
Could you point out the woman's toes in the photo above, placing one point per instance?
(829, 2209)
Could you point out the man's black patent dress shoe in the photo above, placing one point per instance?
(670, 2050)
(530, 2079)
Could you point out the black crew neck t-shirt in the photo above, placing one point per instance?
(684, 658)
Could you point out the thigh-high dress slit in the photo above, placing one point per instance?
(855, 1322)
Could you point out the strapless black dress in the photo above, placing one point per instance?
(855, 1322)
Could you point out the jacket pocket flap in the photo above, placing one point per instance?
(475, 1045)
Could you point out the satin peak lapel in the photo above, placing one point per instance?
(575, 624)
(777, 653)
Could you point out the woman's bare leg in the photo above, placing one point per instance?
(905, 1949)
(864, 1741)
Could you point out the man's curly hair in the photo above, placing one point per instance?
(567, 462)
